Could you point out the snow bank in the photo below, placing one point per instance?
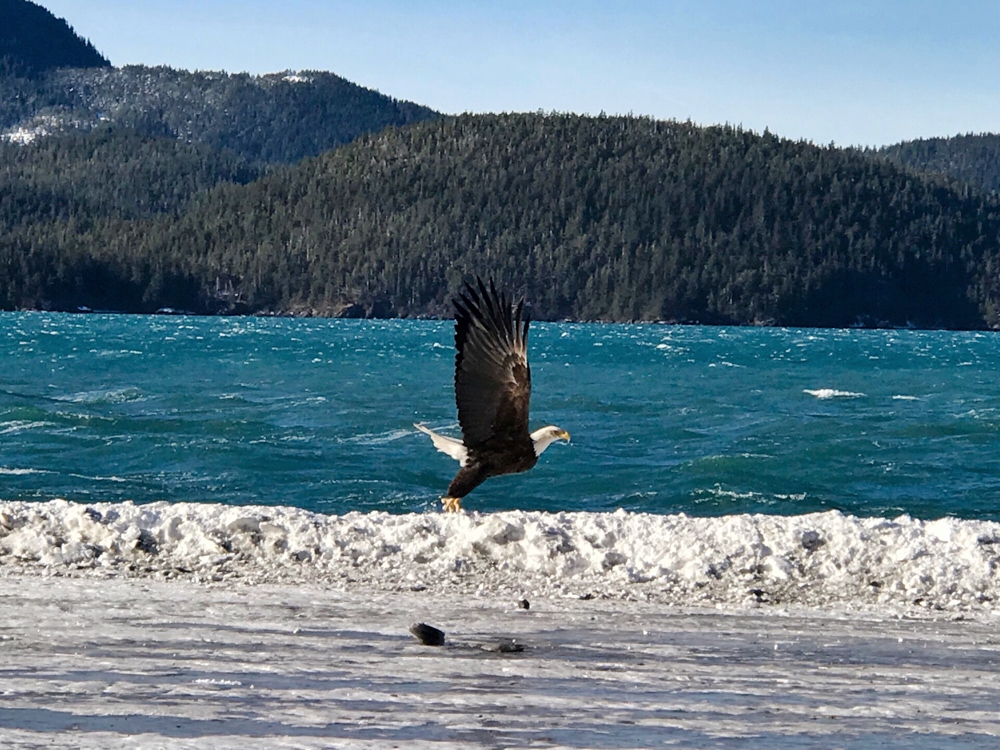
(744, 560)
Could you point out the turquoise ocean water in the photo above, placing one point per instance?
(318, 414)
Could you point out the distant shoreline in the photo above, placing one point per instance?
(319, 315)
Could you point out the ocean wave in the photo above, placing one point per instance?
(379, 438)
(820, 559)
(111, 396)
(112, 478)
(825, 393)
(116, 353)
(20, 425)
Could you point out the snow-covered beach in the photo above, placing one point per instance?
(182, 625)
(131, 663)
(820, 559)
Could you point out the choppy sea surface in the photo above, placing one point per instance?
(318, 414)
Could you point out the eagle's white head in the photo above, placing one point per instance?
(544, 437)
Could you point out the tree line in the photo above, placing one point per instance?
(592, 218)
(970, 158)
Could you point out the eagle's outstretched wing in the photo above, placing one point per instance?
(492, 377)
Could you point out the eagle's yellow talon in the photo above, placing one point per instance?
(451, 504)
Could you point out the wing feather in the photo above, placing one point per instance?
(492, 376)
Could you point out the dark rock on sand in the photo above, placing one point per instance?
(427, 634)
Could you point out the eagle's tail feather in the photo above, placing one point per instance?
(449, 446)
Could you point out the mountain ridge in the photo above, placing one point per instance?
(33, 40)
(274, 118)
(138, 188)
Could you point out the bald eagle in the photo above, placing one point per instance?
(492, 389)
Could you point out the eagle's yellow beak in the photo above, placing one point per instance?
(563, 435)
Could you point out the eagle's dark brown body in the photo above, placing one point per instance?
(488, 464)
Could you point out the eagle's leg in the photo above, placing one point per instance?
(466, 480)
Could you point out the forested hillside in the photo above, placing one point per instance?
(273, 118)
(611, 218)
(139, 188)
(970, 158)
(52, 82)
(54, 191)
(32, 40)
(111, 172)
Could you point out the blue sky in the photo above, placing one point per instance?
(851, 72)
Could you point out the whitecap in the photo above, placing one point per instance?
(379, 438)
(112, 478)
(798, 496)
(112, 396)
(906, 398)
(116, 352)
(718, 491)
(20, 425)
(825, 393)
